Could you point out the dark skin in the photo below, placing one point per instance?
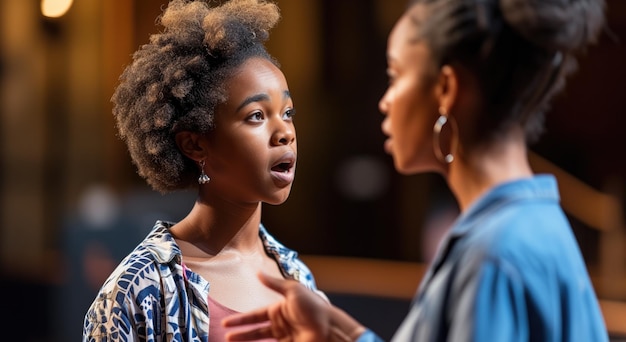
(254, 133)
(301, 316)
(418, 92)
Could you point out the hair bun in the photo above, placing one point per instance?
(252, 19)
(566, 25)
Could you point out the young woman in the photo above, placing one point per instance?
(203, 105)
(469, 83)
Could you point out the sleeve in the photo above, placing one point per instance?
(369, 336)
(106, 321)
(490, 306)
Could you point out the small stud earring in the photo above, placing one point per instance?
(203, 179)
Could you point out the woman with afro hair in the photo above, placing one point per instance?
(203, 105)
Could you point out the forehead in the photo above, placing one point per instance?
(256, 75)
(405, 46)
(255, 68)
(405, 32)
(256, 80)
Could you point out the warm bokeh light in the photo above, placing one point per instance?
(55, 8)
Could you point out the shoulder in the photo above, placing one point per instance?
(120, 300)
(133, 296)
(520, 233)
(528, 232)
(137, 272)
(525, 245)
(518, 226)
(141, 274)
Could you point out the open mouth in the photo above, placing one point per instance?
(283, 170)
(282, 167)
(285, 163)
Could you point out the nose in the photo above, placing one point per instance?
(284, 134)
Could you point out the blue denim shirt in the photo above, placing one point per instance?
(148, 298)
(509, 270)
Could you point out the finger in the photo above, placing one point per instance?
(252, 317)
(254, 334)
(277, 284)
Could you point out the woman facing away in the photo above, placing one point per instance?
(470, 81)
(203, 105)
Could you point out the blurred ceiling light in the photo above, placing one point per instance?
(55, 8)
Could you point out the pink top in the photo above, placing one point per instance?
(217, 313)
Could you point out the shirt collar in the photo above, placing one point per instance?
(536, 187)
(163, 246)
(283, 255)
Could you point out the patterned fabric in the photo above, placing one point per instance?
(151, 297)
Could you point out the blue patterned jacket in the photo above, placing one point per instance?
(148, 298)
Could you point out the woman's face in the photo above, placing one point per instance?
(252, 150)
(409, 104)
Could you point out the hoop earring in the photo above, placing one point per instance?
(203, 179)
(439, 124)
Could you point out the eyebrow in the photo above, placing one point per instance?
(259, 98)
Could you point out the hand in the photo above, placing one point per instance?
(302, 316)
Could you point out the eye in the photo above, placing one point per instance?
(255, 117)
(289, 114)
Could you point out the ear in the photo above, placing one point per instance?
(192, 145)
(447, 87)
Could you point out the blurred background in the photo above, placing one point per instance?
(72, 205)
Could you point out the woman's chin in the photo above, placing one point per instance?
(405, 169)
(279, 198)
(412, 167)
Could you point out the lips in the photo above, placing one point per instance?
(384, 127)
(388, 146)
(283, 170)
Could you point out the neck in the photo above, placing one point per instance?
(482, 168)
(213, 227)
